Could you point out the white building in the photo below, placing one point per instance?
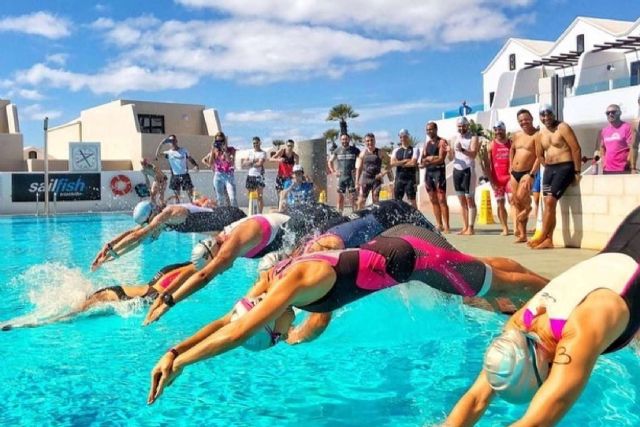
(594, 63)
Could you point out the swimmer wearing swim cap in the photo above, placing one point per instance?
(325, 281)
(548, 349)
(183, 218)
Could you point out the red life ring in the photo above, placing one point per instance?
(120, 185)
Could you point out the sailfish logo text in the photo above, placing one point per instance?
(59, 185)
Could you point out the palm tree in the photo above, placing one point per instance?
(330, 135)
(341, 113)
(277, 143)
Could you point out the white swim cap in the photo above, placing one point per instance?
(265, 337)
(462, 121)
(270, 260)
(514, 367)
(203, 252)
(500, 124)
(545, 107)
(142, 212)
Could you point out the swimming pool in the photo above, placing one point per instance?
(397, 358)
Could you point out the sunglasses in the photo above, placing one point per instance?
(546, 113)
(611, 113)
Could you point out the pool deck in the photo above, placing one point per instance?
(488, 242)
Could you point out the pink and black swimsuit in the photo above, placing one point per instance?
(401, 254)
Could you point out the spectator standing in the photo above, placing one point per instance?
(297, 190)
(435, 179)
(616, 144)
(159, 185)
(465, 150)
(255, 176)
(221, 160)
(499, 150)
(346, 156)
(177, 157)
(525, 167)
(369, 171)
(559, 151)
(464, 109)
(287, 159)
(405, 159)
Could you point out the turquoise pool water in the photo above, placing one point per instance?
(398, 358)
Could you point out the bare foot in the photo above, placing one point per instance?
(463, 231)
(505, 232)
(520, 240)
(545, 244)
(534, 242)
(469, 232)
(447, 231)
(439, 227)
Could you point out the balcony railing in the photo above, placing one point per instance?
(449, 114)
(531, 99)
(605, 85)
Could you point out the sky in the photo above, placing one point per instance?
(271, 68)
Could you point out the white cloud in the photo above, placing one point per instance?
(29, 94)
(114, 81)
(255, 116)
(38, 23)
(57, 58)
(37, 112)
(431, 20)
(252, 51)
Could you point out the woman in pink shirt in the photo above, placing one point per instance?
(221, 159)
(616, 141)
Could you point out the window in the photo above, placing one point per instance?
(635, 73)
(491, 96)
(580, 43)
(512, 62)
(567, 85)
(150, 123)
(32, 155)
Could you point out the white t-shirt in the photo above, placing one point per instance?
(461, 161)
(254, 156)
(178, 160)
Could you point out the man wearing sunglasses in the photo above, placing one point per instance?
(560, 152)
(616, 144)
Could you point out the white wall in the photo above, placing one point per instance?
(589, 108)
(492, 74)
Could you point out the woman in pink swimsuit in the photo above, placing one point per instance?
(324, 281)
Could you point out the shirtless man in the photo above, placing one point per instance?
(560, 152)
(524, 166)
(157, 189)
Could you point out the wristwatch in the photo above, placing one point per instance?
(168, 300)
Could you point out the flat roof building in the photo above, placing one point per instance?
(129, 130)
(10, 138)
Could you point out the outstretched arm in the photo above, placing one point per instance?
(313, 326)
(472, 405)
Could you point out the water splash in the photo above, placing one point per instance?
(55, 290)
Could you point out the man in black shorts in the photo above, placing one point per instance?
(177, 158)
(405, 160)
(432, 159)
(255, 175)
(558, 149)
(346, 156)
(370, 171)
